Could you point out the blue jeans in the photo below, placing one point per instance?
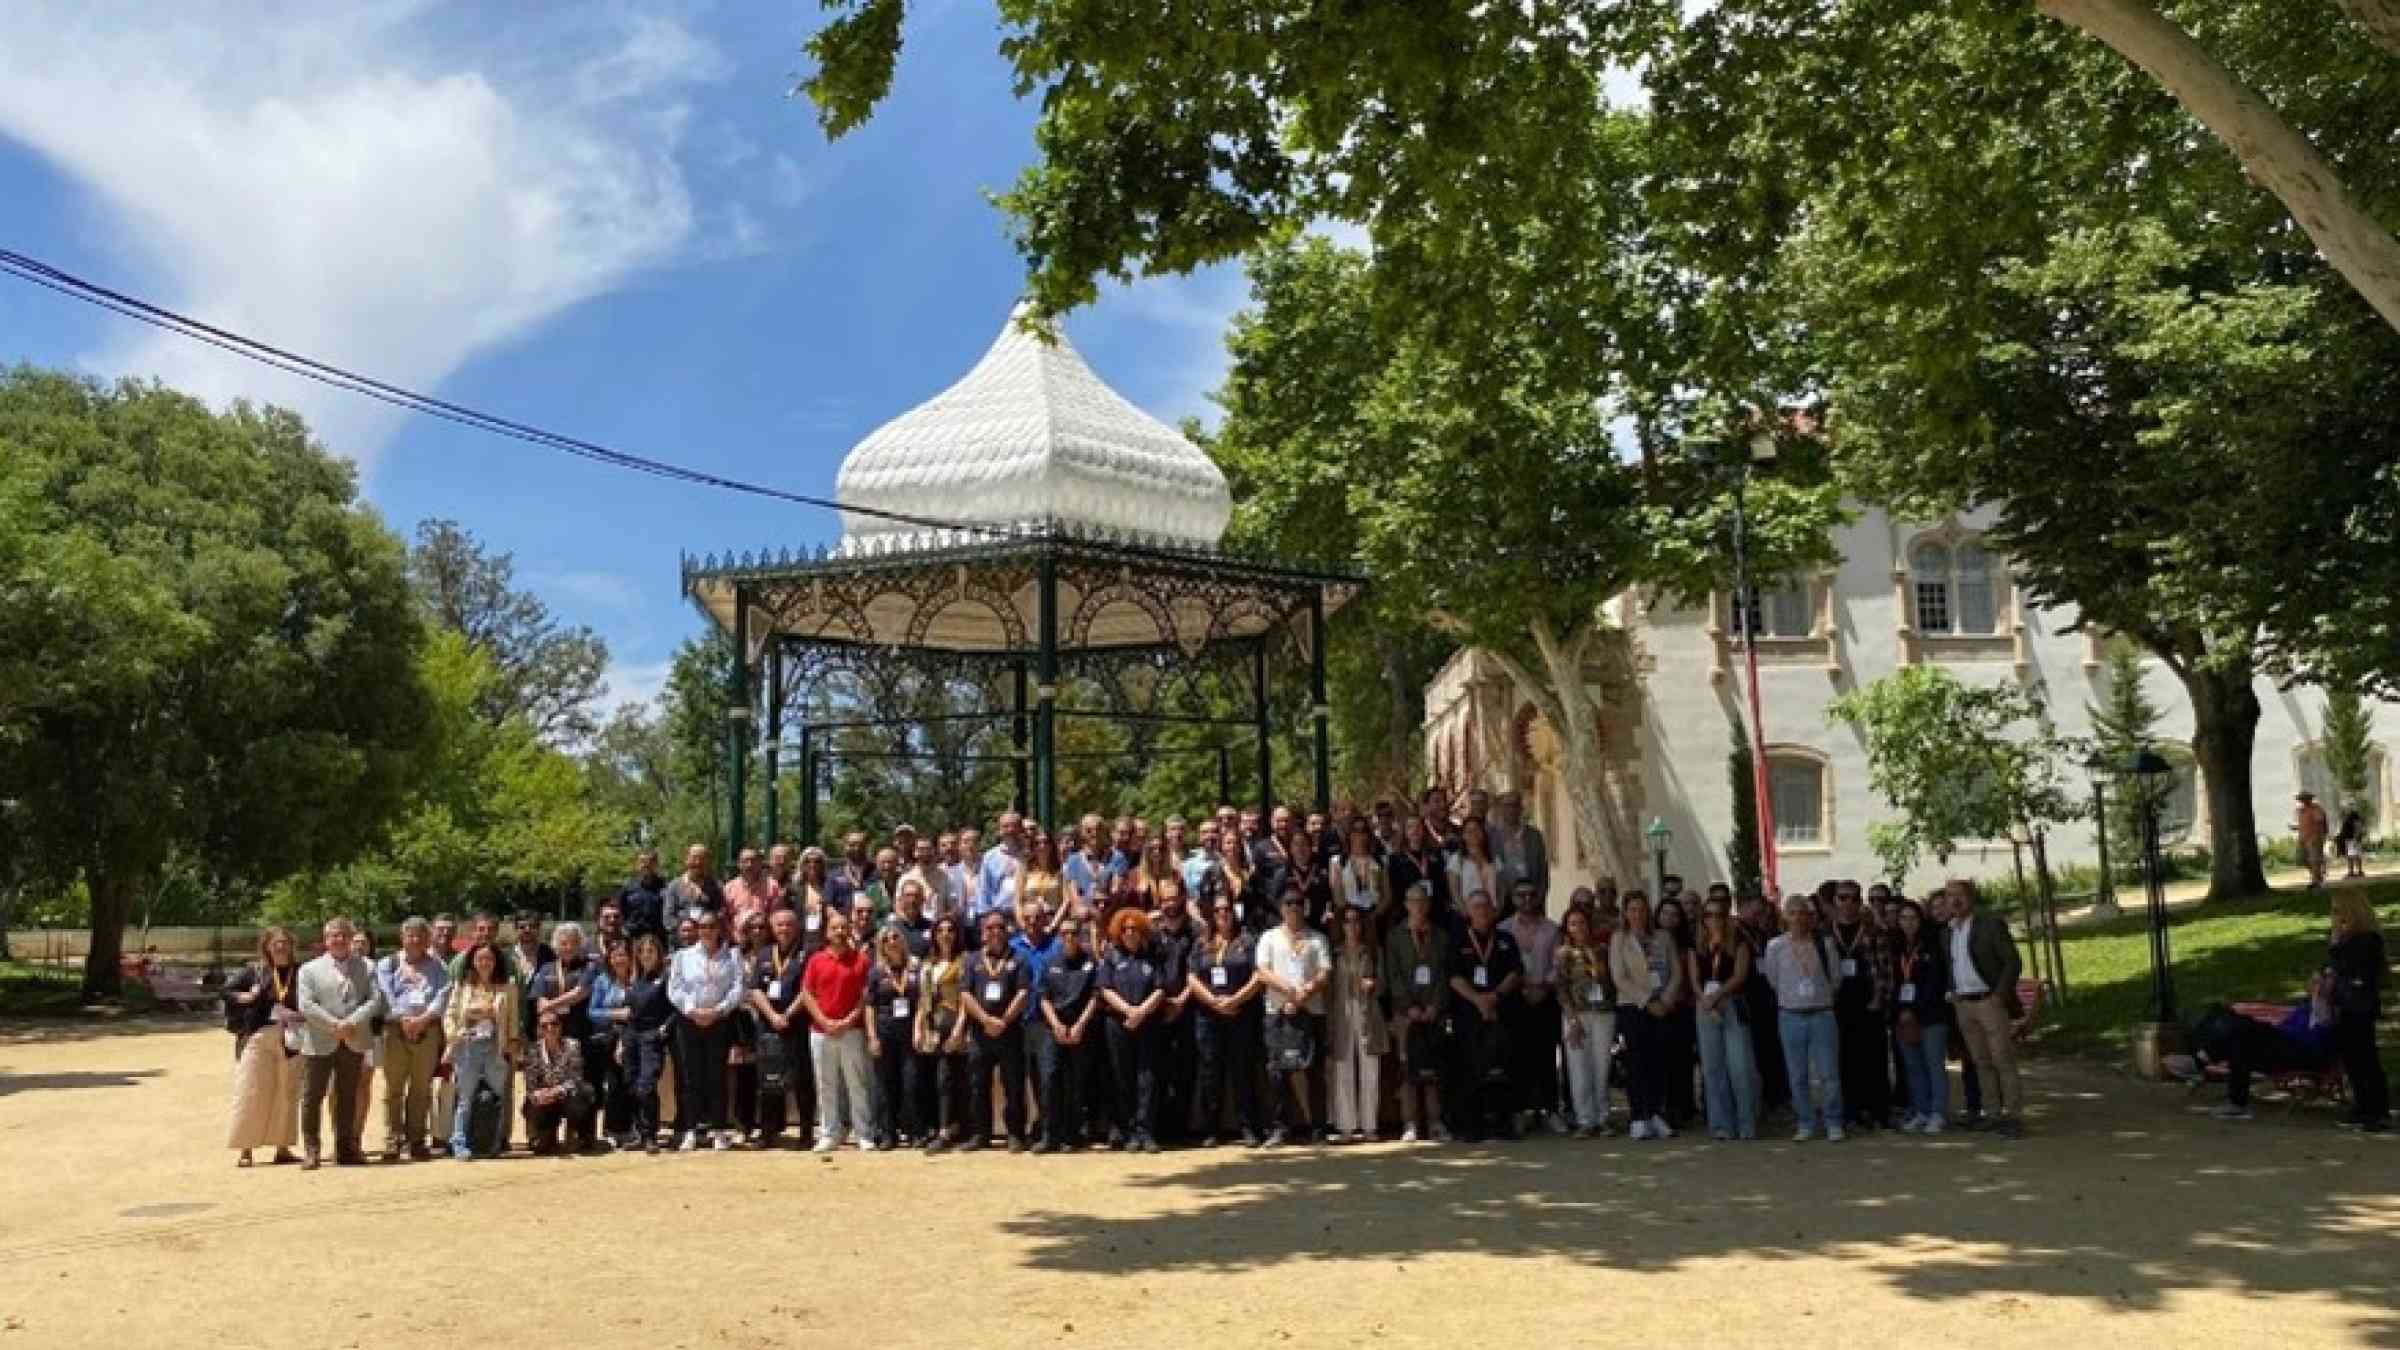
(478, 1061)
(1812, 1051)
(1731, 1078)
(1928, 1071)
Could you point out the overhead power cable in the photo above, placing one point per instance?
(28, 268)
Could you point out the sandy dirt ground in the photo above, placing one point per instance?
(2129, 1219)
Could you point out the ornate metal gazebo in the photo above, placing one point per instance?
(1076, 570)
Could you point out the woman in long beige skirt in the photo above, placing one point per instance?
(262, 1003)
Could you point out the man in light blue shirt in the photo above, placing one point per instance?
(415, 985)
(1003, 868)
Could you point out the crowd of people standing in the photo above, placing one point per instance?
(1267, 979)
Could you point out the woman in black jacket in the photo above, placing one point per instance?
(1921, 1020)
(645, 1045)
(2356, 969)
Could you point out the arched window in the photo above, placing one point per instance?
(1796, 794)
(1956, 589)
(1781, 610)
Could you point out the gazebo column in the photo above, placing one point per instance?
(1021, 802)
(771, 822)
(1045, 717)
(808, 786)
(1319, 712)
(737, 727)
(1266, 752)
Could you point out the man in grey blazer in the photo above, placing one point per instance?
(1518, 846)
(338, 1005)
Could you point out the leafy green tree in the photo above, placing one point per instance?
(2350, 750)
(546, 674)
(227, 641)
(1744, 862)
(1178, 135)
(1956, 762)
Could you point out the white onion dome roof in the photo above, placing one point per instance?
(1031, 438)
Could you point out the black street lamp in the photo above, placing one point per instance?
(2104, 899)
(2148, 769)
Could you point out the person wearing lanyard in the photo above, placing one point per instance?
(1133, 990)
(555, 1094)
(650, 1012)
(891, 997)
(1800, 964)
(1534, 1024)
(1588, 1010)
(1294, 963)
(706, 983)
(604, 1055)
(1472, 867)
(1642, 966)
(833, 992)
(481, 1025)
(1063, 1039)
(1363, 882)
(415, 987)
(262, 1009)
(1173, 937)
(1416, 972)
(1357, 1034)
(1718, 965)
(775, 980)
(1420, 863)
(941, 1036)
(1862, 1016)
(995, 998)
(1921, 1022)
(1486, 970)
(1223, 981)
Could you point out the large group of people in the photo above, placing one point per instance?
(1263, 978)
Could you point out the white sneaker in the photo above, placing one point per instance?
(1930, 1125)
(1803, 1135)
(1833, 1134)
(827, 1143)
(1408, 1135)
(723, 1141)
(867, 1145)
(1660, 1129)
(691, 1141)
(1640, 1130)
(1908, 1123)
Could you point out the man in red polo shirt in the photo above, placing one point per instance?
(833, 989)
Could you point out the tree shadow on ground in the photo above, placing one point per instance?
(2121, 1219)
(13, 1083)
(81, 1026)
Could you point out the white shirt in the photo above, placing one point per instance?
(697, 980)
(1963, 978)
(1295, 961)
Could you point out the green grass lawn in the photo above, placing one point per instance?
(2263, 947)
(31, 989)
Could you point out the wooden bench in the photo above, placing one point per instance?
(2298, 1085)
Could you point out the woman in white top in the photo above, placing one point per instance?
(1361, 883)
(1649, 980)
(1473, 868)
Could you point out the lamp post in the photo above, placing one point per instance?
(2147, 767)
(1660, 837)
(737, 771)
(2104, 903)
(1754, 451)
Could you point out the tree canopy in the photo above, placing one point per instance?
(547, 674)
(225, 640)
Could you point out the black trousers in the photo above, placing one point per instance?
(939, 1084)
(776, 1108)
(2370, 1090)
(1067, 1077)
(1645, 1062)
(1229, 1049)
(1133, 1064)
(543, 1123)
(894, 1060)
(606, 1080)
(645, 1059)
(338, 1072)
(1486, 1098)
(1003, 1055)
(1866, 1082)
(1766, 1051)
(1178, 1072)
(700, 1057)
(1534, 1032)
(1680, 1032)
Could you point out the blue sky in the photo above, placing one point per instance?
(608, 220)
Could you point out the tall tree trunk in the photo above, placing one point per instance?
(112, 904)
(1558, 692)
(2271, 150)
(2225, 716)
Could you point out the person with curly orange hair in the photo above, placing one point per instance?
(1133, 988)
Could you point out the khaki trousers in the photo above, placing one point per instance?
(1984, 1022)
(408, 1083)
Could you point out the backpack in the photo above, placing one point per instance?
(487, 1122)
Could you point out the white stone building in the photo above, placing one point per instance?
(1904, 593)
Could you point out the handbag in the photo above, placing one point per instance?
(774, 1056)
(1290, 1049)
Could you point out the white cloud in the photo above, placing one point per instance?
(1192, 313)
(636, 682)
(607, 591)
(339, 181)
